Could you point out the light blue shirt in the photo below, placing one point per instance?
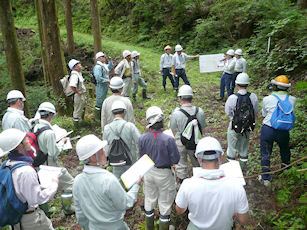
(179, 60)
(240, 65)
(15, 118)
(269, 104)
(100, 73)
(100, 201)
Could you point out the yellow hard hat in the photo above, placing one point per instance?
(168, 47)
(282, 81)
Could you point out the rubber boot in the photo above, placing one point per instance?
(144, 94)
(66, 200)
(150, 223)
(164, 225)
(76, 124)
(83, 114)
(97, 114)
(243, 165)
(134, 97)
(164, 88)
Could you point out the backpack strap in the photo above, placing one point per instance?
(42, 129)
(185, 112)
(13, 167)
(120, 132)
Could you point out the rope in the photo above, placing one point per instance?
(278, 170)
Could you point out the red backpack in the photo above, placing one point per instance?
(35, 153)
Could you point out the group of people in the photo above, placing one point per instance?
(100, 200)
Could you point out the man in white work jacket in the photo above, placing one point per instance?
(100, 200)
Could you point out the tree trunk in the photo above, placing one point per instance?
(96, 26)
(69, 28)
(56, 66)
(11, 50)
(43, 45)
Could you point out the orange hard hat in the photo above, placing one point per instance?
(168, 47)
(282, 81)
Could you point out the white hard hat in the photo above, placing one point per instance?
(208, 144)
(153, 111)
(118, 105)
(88, 145)
(72, 63)
(116, 83)
(239, 52)
(15, 94)
(231, 52)
(135, 54)
(178, 48)
(10, 139)
(242, 79)
(126, 53)
(185, 90)
(47, 106)
(100, 54)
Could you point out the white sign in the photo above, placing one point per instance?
(211, 63)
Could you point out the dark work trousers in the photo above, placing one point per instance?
(181, 73)
(267, 138)
(233, 81)
(226, 79)
(166, 73)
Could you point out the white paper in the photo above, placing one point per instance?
(211, 63)
(67, 145)
(60, 132)
(137, 170)
(47, 173)
(231, 169)
(169, 132)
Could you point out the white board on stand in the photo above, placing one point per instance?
(211, 63)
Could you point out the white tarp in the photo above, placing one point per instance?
(211, 63)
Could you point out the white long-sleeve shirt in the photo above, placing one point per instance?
(27, 187)
(166, 61)
(230, 66)
(240, 65)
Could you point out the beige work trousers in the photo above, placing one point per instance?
(34, 221)
(65, 180)
(159, 186)
(237, 143)
(127, 86)
(79, 105)
(183, 164)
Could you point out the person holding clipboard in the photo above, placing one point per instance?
(159, 183)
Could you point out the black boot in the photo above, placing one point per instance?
(134, 97)
(144, 94)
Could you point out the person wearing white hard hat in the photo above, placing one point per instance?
(136, 76)
(285, 103)
(127, 131)
(159, 183)
(100, 200)
(213, 200)
(52, 148)
(166, 66)
(238, 137)
(14, 117)
(226, 78)
(101, 74)
(76, 82)
(123, 70)
(116, 86)
(178, 124)
(25, 180)
(179, 59)
(240, 67)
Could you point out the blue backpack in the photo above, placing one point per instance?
(11, 208)
(283, 117)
